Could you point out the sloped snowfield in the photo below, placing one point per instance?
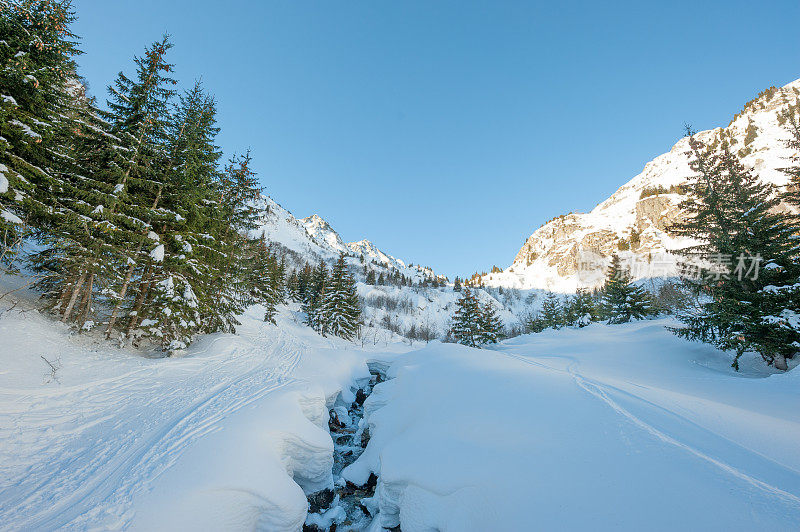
(225, 437)
(609, 427)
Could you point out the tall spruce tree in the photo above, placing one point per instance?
(466, 319)
(581, 309)
(340, 309)
(139, 112)
(183, 256)
(552, 314)
(38, 70)
(490, 325)
(266, 281)
(745, 248)
(314, 295)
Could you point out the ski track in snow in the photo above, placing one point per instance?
(603, 392)
(71, 484)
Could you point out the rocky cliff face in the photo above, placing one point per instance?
(634, 221)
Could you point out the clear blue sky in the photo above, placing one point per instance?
(448, 131)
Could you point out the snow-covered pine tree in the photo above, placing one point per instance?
(732, 214)
(293, 286)
(261, 281)
(315, 293)
(37, 53)
(304, 281)
(490, 325)
(278, 292)
(581, 309)
(139, 112)
(622, 300)
(792, 125)
(340, 308)
(187, 233)
(779, 334)
(466, 319)
(79, 253)
(240, 193)
(551, 315)
(533, 323)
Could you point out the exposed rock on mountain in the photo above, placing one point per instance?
(571, 251)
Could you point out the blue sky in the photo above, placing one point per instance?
(448, 131)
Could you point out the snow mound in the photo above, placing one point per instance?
(610, 427)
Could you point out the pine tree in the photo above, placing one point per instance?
(551, 315)
(293, 286)
(466, 320)
(38, 68)
(139, 112)
(195, 236)
(340, 307)
(457, 285)
(792, 125)
(622, 300)
(732, 214)
(315, 294)
(490, 325)
(581, 309)
(79, 253)
(266, 281)
(777, 337)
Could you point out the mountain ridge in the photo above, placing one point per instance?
(633, 221)
(313, 238)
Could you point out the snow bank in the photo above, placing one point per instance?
(611, 427)
(232, 435)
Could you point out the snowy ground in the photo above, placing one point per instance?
(221, 438)
(610, 427)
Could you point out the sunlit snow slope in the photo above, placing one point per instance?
(622, 427)
(635, 224)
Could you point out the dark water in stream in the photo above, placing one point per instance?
(347, 507)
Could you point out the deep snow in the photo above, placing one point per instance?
(225, 437)
(607, 427)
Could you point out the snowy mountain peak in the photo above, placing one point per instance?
(321, 230)
(633, 221)
(313, 239)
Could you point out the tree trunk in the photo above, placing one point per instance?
(86, 301)
(140, 299)
(123, 291)
(75, 291)
(64, 298)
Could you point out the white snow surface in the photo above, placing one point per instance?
(606, 427)
(157, 254)
(622, 427)
(226, 437)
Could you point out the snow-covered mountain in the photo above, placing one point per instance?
(571, 250)
(313, 239)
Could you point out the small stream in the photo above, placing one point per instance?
(347, 507)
